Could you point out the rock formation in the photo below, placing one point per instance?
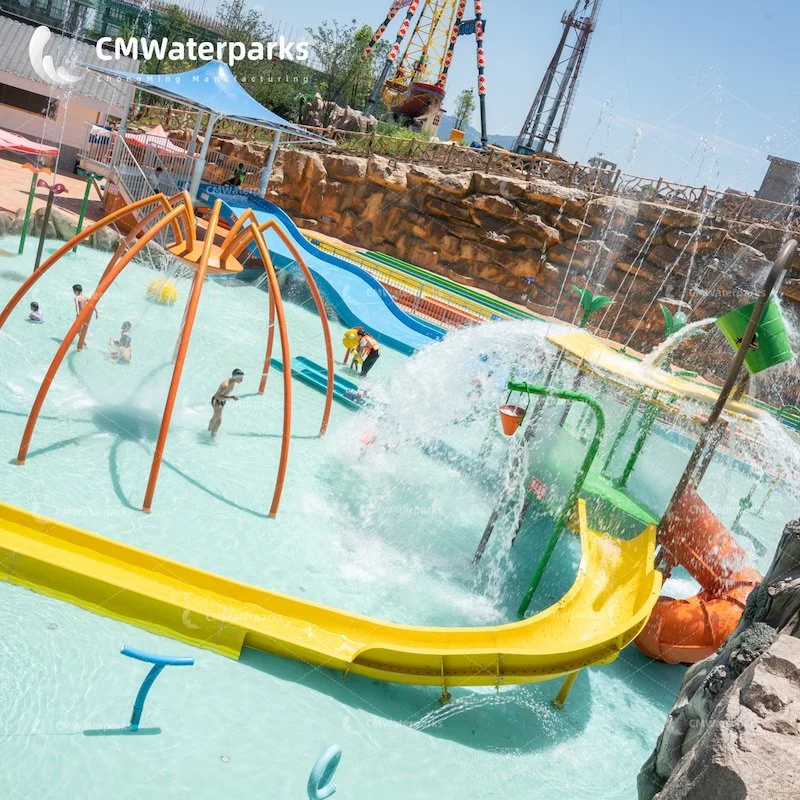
(734, 731)
(521, 239)
(321, 113)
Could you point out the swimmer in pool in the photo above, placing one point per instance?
(221, 396)
(120, 349)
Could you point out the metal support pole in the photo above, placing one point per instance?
(43, 233)
(624, 429)
(266, 173)
(572, 499)
(200, 161)
(89, 178)
(565, 689)
(27, 221)
(782, 263)
(123, 125)
(648, 418)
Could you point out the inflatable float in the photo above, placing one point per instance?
(687, 631)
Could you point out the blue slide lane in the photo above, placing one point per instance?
(356, 296)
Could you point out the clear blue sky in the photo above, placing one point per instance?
(698, 91)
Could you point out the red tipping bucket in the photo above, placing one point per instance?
(511, 417)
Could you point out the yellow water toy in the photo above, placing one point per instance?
(350, 341)
(162, 291)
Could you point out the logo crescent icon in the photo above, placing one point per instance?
(186, 620)
(43, 65)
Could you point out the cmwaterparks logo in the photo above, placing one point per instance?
(141, 48)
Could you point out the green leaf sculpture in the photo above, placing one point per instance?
(590, 303)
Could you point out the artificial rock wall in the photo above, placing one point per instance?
(529, 241)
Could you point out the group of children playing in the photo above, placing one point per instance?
(119, 349)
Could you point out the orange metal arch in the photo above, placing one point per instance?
(87, 311)
(132, 234)
(237, 245)
(270, 341)
(180, 355)
(286, 357)
(75, 240)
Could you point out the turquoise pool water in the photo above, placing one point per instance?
(387, 530)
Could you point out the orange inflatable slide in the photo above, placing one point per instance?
(687, 631)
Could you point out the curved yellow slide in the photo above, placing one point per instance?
(605, 609)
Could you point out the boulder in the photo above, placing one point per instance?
(347, 169)
(571, 225)
(706, 239)
(494, 206)
(534, 225)
(668, 216)
(508, 188)
(319, 113)
(750, 746)
(456, 183)
(6, 222)
(447, 210)
(389, 174)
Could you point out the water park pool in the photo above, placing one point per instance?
(381, 517)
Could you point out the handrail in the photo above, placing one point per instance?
(572, 498)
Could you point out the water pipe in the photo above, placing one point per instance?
(588, 460)
(648, 418)
(529, 433)
(158, 662)
(745, 504)
(90, 178)
(626, 423)
(320, 781)
(52, 191)
(781, 265)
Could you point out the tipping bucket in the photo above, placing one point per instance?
(771, 344)
(511, 418)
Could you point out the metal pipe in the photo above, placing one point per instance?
(626, 423)
(782, 263)
(645, 426)
(180, 356)
(43, 233)
(266, 173)
(270, 342)
(572, 498)
(286, 357)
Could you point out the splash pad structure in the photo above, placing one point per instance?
(175, 217)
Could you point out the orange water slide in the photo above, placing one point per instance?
(687, 631)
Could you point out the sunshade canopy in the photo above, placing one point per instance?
(212, 88)
(13, 141)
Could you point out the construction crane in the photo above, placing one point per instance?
(553, 102)
(413, 84)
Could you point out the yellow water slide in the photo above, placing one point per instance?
(609, 603)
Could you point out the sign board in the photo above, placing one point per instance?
(538, 488)
(467, 27)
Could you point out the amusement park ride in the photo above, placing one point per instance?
(549, 112)
(413, 84)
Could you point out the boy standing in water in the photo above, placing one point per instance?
(221, 396)
(80, 302)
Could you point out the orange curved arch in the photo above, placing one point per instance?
(76, 240)
(270, 341)
(239, 241)
(323, 315)
(79, 321)
(131, 235)
(180, 356)
(287, 372)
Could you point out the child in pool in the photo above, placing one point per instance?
(36, 314)
(121, 348)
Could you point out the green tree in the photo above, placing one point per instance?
(338, 49)
(465, 107)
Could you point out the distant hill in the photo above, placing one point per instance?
(473, 134)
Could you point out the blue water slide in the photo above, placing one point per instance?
(356, 296)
